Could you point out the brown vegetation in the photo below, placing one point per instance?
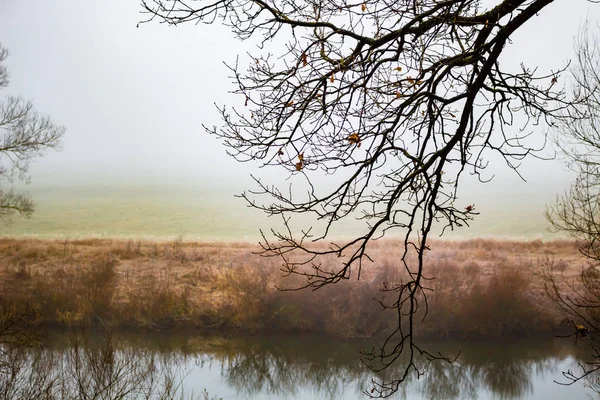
(480, 288)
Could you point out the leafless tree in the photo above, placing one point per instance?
(392, 101)
(577, 211)
(24, 134)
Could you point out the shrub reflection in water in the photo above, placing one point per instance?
(100, 366)
(91, 367)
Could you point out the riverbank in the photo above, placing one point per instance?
(481, 288)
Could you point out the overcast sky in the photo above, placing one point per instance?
(133, 99)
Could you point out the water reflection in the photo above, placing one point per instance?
(283, 367)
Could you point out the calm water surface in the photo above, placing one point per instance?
(308, 367)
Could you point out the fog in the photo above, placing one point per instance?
(133, 99)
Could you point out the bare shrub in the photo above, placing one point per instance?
(98, 282)
(23, 272)
(465, 304)
(223, 287)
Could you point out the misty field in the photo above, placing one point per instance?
(480, 288)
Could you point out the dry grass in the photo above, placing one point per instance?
(482, 288)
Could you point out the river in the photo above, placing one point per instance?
(313, 367)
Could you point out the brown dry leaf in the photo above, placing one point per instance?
(332, 78)
(398, 94)
(289, 103)
(410, 80)
(399, 69)
(363, 7)
(301, 157)
(280, 152)
(298, 166)
(354, 139)
(246, 102)
(304, 59)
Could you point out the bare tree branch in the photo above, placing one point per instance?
(24, 135)
(392, 101)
